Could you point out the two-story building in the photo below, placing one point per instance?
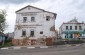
(33, 23)
(72, 29)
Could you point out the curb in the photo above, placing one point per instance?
(44, 47)
(4, 48)
(32, 47)
(16, 48)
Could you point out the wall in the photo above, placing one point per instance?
(40, 23)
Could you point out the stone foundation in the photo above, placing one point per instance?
(23, 42)
(15, 42)
(27, 41)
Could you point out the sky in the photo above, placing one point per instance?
(66, 10)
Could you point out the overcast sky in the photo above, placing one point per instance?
(65, 9)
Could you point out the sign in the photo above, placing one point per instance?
(77, 35)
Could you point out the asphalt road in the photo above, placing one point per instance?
(75, 50)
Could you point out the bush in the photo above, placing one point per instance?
(7, 43)
(58, 43)
(8, 40)
(75, 41)
(71, 41)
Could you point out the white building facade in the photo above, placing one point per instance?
(34, 23)
(72, 29)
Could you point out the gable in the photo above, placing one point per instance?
(32, 9)
(29, 9)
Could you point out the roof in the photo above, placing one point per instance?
(35, 8)
(73, 21)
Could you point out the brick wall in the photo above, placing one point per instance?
(24, 42)
(15, 42)
(49, 41)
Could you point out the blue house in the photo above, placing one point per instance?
(2, 37)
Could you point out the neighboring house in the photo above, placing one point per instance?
(2, 37)
(33, 23)
(72, 29)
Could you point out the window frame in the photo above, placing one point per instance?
(47, 18)
(23, 33)
(66, 27)
(75, 27)
(32, 19)
(80, 27)
(41, 32)
(32, 34)
(24, 19)
(70, 27)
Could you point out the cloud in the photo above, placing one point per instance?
(17, 1)
(65, 9)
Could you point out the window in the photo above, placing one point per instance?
(71, 35)
(47, 18)
(75, 27)
(70, 27)
(41, 32)
(66, 36)
(32, 18)
(23, 33)
(32, 33)
(24, 19)
(80, 28)
(66, 27)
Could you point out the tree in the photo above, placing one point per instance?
(2, 23)
(2, 20)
